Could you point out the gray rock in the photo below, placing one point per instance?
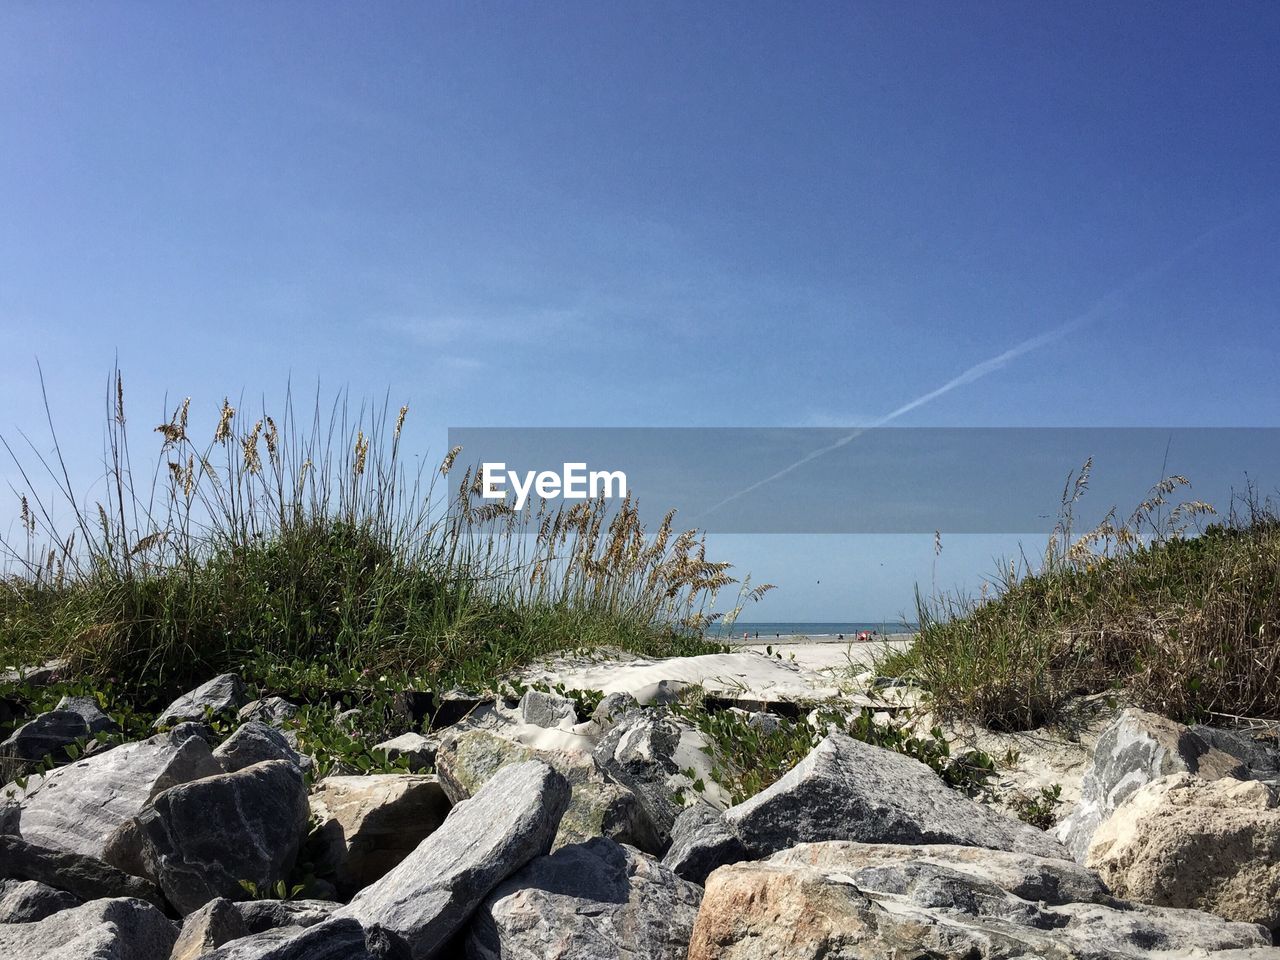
(203, 838)
(849, 790)
(87, 878)
(1137, 748)
(1260, 755)
(25, 901)
(840, 901)
(49, 734)
(214, 924)
(123, 849)
(10, 816)
(702, 840)
(591, 901)
(420, 750)
(365, 826)
(98, 930)
(37, 676)
(613, 708)
(262, 915)
(547, 709)
(273, 711)
(639, 752)
(222, 693)
(77, 807)
(192, 728)
(430, 895)
(335, 939)
(254, 742)
(598, 807)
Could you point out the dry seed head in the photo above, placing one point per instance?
(447, 463)
(362, 451)
(119, 398)
(223, 432)
(189, 478)
(252, 462)
(400, 419)
(272, 436)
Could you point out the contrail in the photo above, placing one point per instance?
(980, 370)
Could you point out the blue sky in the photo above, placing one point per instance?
(650, 214)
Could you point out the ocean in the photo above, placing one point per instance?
(815, 629)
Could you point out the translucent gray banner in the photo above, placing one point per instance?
(877, 480)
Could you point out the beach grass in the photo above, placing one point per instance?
(1171, 617)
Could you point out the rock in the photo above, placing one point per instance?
(849, 790)
(49, 734)
(420, 750)
(1137, 748)
(10, 815)
(273, 711)
(612, 708)
(87, 878)
(1260, 755)
(77, 807)
(702, 840)
(1185, 842)
(25, 901)
(329, 940)
(590, 901)
(598, 807)
(191, 728)
(202, 838)
(640, 753)
(430, 895)
(214, 924)
(38, 676)
(853, 901)
(366, 825)
(218, 695)
(123, 849)
(99, 930)
(254, 742)
(262, 915)
(547, 709)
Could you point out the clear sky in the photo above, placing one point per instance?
(650, 214)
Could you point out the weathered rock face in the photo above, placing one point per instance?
(222, 693)
(87, 878)
(702, 840)
(25, 901)
(273, 711)
(1184, 842)
(547, 709)
(849, 790)
(851, 902)
(77, 807)
(612, 708)
(366, 825)
(99, 930)
(74, 718)
(429, 896)
(1137, 748)
(202, 838)
(419, 750)
(254, 742)
(262, 915)
(335, 939)
(589, 901)
(598, 808)
(214, 924)
(640, 753)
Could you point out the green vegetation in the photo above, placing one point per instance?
(312, 551)
(1181, 622)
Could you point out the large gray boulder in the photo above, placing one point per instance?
(25, 901)
(219, 695)
(364, 826)
(74, 718)
(273, 711)
(254, 742)
(849, 901)
(849, 790)
(202, 838)
(214, 924)
(336, 939)
(543, 709)
(1137, 748)
(77, 807)
(262, 915)
(591, 901)
(640, 753)
(98, 930)
(431, 894)
(702, 840)
(418, 751)
(87, 878)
